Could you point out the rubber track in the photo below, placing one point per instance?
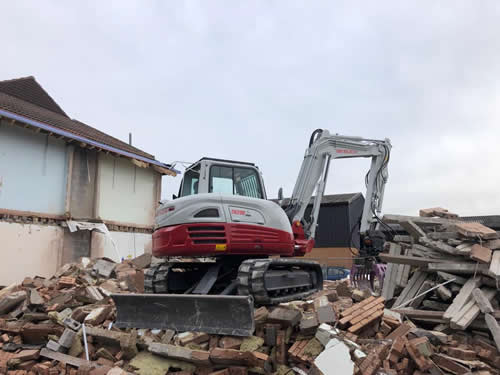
(251, 279)
(155, 278)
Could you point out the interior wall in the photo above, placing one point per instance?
(83, 178)
(33, 170)
(29, 250)
(76, 245)
(128, 245)
(126, 193)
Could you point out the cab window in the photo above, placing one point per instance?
(235, 180)
(190, 182)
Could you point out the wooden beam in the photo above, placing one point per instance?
(412, 288)
(465, 268)
(493, 244)
(389, 285)
(402, 238)
(422, 315)
(139, 163)
(421, 221)
(469, 312)
(425, 252)
(67, 201)
(435, 305)
(494, 269)
(439, 246)
(482, 301)
(166, 171)
(413, 229)
(97, 186)
(442, 235)
(494, 329)
(408, 259)
(462, 297)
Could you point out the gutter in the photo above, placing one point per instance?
(67, 134)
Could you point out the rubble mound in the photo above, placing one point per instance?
(437, 315)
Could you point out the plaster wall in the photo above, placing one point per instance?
(29, 250)
(33, 170)
(126, 193)
(128, 245)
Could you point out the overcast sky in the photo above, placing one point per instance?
(250, 80)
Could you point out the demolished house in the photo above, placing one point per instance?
(54, 169)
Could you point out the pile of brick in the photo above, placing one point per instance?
(49, 326)
(442, 319)
(41, 319)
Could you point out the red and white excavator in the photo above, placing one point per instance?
(225, 247)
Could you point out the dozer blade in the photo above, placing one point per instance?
(223, 315)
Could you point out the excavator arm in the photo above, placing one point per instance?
(313, 175)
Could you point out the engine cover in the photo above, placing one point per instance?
(215, 224)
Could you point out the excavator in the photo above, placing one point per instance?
(226, 248)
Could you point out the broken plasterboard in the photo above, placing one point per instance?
(335, 359)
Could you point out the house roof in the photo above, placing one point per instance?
(26, 98)
(28, 89)
(331, 199)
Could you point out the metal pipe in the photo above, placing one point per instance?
(85, 342)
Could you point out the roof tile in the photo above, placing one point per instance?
(34, 106)
(29, 90)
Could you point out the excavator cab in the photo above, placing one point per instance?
(209, 175)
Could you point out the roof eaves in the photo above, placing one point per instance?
(88, 141)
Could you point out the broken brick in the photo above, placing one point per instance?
(230, 342)
(285, 317)
(480, 253)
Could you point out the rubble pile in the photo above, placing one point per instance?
(440, 285)
(49, 326)
(443, 274)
